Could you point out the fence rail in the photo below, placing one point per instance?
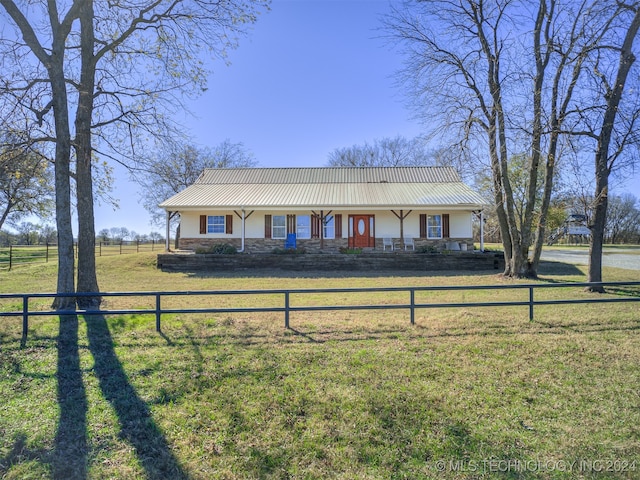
(15, 255)
(287, 307)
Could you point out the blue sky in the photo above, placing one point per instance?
(312, 76)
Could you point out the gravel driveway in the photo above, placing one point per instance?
(617, 258)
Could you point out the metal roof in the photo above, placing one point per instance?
(362, 187)
(329, 175)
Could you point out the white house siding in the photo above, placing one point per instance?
(460, 225)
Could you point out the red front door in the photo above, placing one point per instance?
(361, 231)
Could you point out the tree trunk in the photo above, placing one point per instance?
(66, 258)
(541, 228)
(87, 279)
(597, 228)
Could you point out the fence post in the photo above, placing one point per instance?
(412, 293)
(121, 246)
(531, 303)
(286, 309)
(46, 258)
(158, 314)
(10, 256)
(25, 320)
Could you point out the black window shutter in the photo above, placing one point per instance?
(445, 225)
(267, 226)
(315, 226)
(229, 224)
(337, 223)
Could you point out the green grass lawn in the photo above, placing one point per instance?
(465, 393)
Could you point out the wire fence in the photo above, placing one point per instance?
(18, 255)
(282, 300)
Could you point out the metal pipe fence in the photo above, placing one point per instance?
(15, 255)
(287, 307)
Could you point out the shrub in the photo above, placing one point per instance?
(427, 249)
(219, 249)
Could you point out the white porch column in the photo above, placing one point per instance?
(167, 241)
(242, 231)
(482, 230)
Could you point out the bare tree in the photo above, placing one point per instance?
(385, 152)
(617, 129)
(104, 235)
(116, 68)
(173, 167)
(27, 233)
(116, 234)
(623, 219)
(501, 77)
(42, 90)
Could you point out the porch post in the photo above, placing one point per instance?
(167, 241)
(321, 230)
(482, 230)
(401, 217)
(242, 231)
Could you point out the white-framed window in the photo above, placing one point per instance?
(329, 227)
(434, 226)
(279, 226)
(303, 226)
(215, 224)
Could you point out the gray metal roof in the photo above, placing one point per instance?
(363, 187)
(329, 175)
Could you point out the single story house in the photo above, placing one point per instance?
(325, 209)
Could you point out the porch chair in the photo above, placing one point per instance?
(290, 242)
(408, 242)
(387, 242)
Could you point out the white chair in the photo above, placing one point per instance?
(387, 242)
(408, 243)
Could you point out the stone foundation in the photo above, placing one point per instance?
(268, 245)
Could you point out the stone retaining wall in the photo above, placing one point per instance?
(470, 261)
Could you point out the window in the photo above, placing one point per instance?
(215, 224)
(434, 226)
(303, 226)
(329, 227)
(279, 229)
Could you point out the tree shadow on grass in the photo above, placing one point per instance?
(136, 422)
(550, 267)
(70, 454)
(19, 453)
